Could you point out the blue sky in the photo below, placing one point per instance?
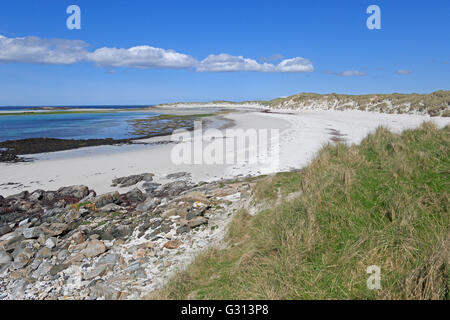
(320, 41)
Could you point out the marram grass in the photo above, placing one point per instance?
(384, 202)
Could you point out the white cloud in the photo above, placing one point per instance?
(297, 64)
(348, 73)
(61, 51)
(226, 62)
(141, 57)
(37, 50)
(403, 72)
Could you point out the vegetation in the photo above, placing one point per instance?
(435, 103)
(384, 202)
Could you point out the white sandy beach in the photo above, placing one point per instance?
(302, 134)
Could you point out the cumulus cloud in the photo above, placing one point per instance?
(348, 73)
(226, 62)
(37, 50)
(141, 57)
(403, 72)
(297, 64)
(61, 51)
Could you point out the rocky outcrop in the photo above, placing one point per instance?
(73, 244)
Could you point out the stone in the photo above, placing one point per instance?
(32, 233)
(78, 192)
(5, 257)
(4, 229)
(132, 180)
(110, 207)
(58, 268)
(63, 254)
(149, 187)
(197, 221)
(97, 271)
(42, 270)
(109, 259)
(104, 199)
(94, 248)
(51, 242)
(54, 229)
(78, 237)
(102, 290)
(135, 195)
(173, 244)
(78, 257)
(178, 175)
(44, 252)
(23, 258)
(148, 205)
(36, 195)
(18, 291)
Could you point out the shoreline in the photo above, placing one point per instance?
(302, 134)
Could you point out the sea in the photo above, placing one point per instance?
(115, 124)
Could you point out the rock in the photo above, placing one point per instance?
(32, 233)
(178, 175)
(36, 195)
(63, 254)
(109, 259)
(149, 187)
(94, 248)
(20, 196)
(172, 189)
(78, 237)
(4, 229)
(173, 244)
(78, 257)
(135, 195)
(111, 207)
(197, 221)
(132, 180)
(120, 231)
(44, 253)
(42, 270)
(148, 205)
(23, 258)
(18, 291)
(41, 239)
(78, 192)
(104, 199)
(13, 241)
(54, 229)
(5, 257)
(58, 268)
(97, 271)
(51, 242)
(72, 216)
(90, 197)
(102, 290)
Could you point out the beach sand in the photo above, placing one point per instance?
(301, 135)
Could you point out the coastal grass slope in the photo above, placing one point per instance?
(433, 104)
(384, 202)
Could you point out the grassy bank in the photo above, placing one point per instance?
(384, 202)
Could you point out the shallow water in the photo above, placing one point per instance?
(114, 125)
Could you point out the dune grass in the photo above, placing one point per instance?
(384, 202)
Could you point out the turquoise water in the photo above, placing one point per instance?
(114, 125)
